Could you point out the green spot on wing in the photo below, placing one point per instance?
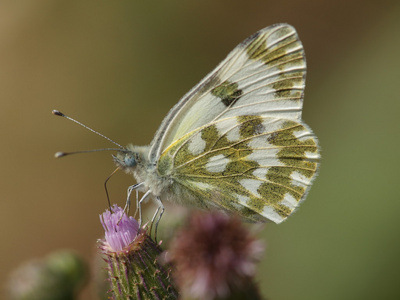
(228, 92)
(250, 126)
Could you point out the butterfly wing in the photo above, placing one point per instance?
(263, 75)
(236, 141)
(258, 167)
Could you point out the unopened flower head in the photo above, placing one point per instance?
(59, 275)
(213, 254)
(120, 230)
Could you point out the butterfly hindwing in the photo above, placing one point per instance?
(259, 167)
(264, 75)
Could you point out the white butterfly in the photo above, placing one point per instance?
(236, 141)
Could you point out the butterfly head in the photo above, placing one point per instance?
(126, 159)
(131, 157)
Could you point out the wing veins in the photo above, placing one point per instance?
(267, 76)
(266, 101)
(249, 177)
(246, 192)
(269, 166)
(272, 83)
(227, 147)
(268, 67)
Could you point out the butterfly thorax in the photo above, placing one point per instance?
(135, 160)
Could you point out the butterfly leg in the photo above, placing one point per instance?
(140, 207)
(162, 208)
(137, 203)
(128, 198)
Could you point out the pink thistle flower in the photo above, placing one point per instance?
(134, 271)
(120, 232)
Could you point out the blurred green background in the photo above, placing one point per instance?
(119, 66)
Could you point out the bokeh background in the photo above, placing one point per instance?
(119, 66)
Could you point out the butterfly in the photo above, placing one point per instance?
(236, 141)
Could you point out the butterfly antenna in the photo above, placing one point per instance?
(60, 114)
(62, 154)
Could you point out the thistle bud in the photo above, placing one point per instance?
(59, 276)
(215, 258)
(134, 269)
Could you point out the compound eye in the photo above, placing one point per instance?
(129, 160)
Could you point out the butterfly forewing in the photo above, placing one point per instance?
(264, 75)
(258, 167)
